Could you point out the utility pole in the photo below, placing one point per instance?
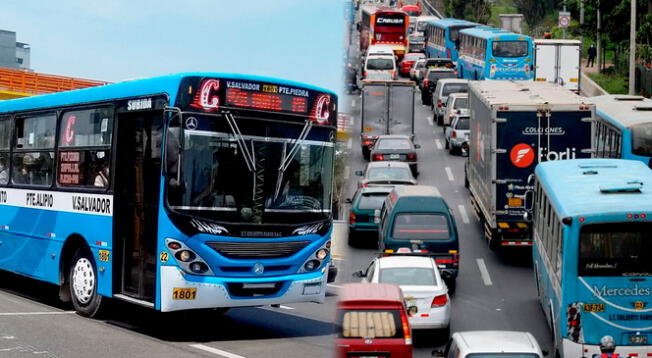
(564, 27)
(598, 50)
(632, 49)
(582, 22)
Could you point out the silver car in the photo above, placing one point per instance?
(457, 133)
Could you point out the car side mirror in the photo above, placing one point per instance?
(417, 146)
(545, 352)
(437, 353)
(359, 274)
(377, 216)
(359, 173)
(348, 201)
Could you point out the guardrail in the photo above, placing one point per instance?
(39, 83)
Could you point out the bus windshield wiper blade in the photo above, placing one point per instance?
(249, 159)
(287, 157)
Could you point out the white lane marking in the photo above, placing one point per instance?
(353, 102)
(438, 143)
(7, 337)
(349, 143)
(484, 272)
(432, 124)
(347, 172)
(449, 173)
(219, 352)
(465, 218)
(286, 307)
(35, 313)
(333, 285)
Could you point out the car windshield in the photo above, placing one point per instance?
(393, 143)
(461, 103)
(380, 64)
(454, 88)
(623, 249)
(389, 173)
(462, 123)
(421, 227)
(510, 48)
(642, 139)
(237, 178)
(408, 276)
(371, 201)
(444, 62)
(359, 323)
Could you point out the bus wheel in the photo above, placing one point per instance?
(83, 284)
(476, 75)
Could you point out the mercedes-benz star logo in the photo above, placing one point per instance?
(191, 123)
(259, 268)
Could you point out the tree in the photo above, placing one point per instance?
(472, 10)
(535, 10)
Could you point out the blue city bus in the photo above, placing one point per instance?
(442, 37)
(188, 191)
(592, 254)
(489, 53)
(624, 127)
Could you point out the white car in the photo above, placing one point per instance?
(457, 133)
(445, 87)
(422, 287)
(456, 103)
(414, 71)
(495, 344)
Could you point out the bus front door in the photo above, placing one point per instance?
(137, 181)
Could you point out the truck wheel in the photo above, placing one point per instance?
(494, 241)
(83, 283)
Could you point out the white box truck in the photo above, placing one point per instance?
(558, 61)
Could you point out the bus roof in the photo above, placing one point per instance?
(596, 186)
(164, 84)
(526, 93)
(446, 22)
(486, 32)
(623, 111)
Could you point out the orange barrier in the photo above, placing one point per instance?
(33, 83)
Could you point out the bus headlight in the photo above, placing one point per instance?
(187, 259)
(321, 254)
(312, 265)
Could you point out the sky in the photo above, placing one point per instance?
(114, 40)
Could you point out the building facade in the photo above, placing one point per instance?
(13, 54)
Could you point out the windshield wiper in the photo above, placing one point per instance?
(249, 158)
(286, 158)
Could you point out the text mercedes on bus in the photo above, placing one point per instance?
(488, 53)
(592, 254)
(187, 191)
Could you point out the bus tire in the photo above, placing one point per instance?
(83, 283)
(476, 75)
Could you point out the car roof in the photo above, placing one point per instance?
(458, 95)
(416, 191)
(371, 293)
(444, 81)
(399, 136)
(388, 164)
(405, 261)
(497, 341)
(376, 190)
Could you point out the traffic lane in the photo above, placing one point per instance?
(32, 316)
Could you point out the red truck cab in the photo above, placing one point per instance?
(372, 321)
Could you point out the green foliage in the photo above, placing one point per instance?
(611, 81)
(535, 10)
(644, 52)
(472, 10)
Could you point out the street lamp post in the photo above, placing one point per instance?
(632, 49)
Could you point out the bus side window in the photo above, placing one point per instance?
(5, 135)
(84, 158)
(33, 155)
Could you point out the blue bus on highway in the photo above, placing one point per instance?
(624, 127)
(593, 254)
(442, 37)
(489, 53)
(188, 191)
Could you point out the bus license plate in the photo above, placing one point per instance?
(182, 293)
(637, 339)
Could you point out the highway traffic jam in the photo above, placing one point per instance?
(465, 238)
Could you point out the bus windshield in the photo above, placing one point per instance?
(642, 139)
(237, 178)
(622, 249)
(510, 48)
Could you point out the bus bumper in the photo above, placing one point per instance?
(213, 292)
(573, 350)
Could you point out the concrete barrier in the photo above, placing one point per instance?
(589, 88)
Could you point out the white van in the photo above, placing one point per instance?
(380, 50)
(497, 344)
(380, 67)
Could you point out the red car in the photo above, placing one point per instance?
(408, 61)
(372, 322)
(412, 10)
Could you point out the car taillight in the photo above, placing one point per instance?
(352, 218)
(364, 74)
(377, 157)
(364, 185)
(412, 156)
(456, 260)
(439, 301)
(454, 135)
(425, 83)
(406, 328)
